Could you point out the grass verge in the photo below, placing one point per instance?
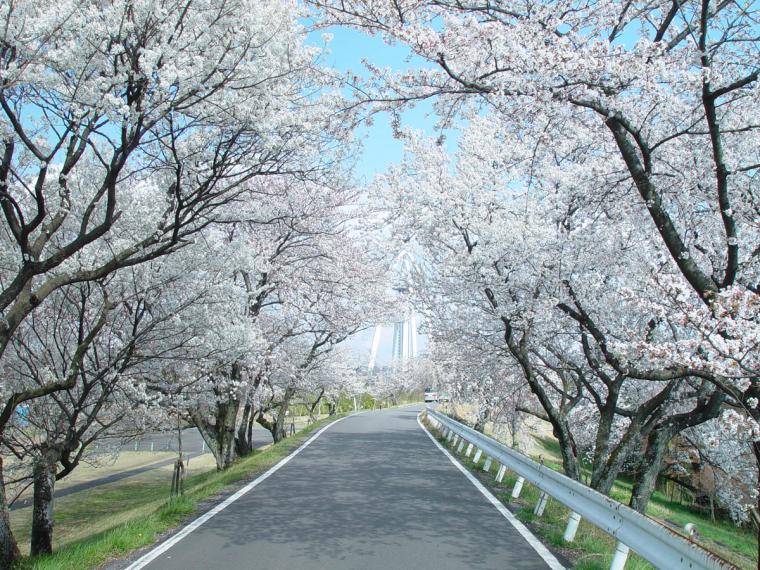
(593, 548)
(132, 516)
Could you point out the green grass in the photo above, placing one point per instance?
(130, 516)
(593, 549)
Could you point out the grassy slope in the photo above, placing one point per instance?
(117, 519)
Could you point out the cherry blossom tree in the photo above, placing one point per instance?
(648, 111)
(109, 403)
(128, 128)
(513, 271)
(296, 283)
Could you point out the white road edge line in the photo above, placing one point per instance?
(542, 551)
(150, 556)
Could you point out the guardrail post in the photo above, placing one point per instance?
(461, 445)
(449, 435)
(487, 464)
(500, 473)
(621, 555)
(541, 504)
(478, 453)
(469, 450)
(518, 487)
(572, 527)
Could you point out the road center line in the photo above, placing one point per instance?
(542, 551)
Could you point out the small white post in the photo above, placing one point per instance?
(461, 445)
(469, 450)
(518, 487)
(541, 504)
(151, 447)
(500, 473)
(137, 444)
(572, 527)
(487, 464)
(621, 555)
(355, 406)
(478, 453)
(449, 435)
(203, 446)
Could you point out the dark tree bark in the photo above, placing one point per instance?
(656, 443)
(9, 551)
(277, 426)
(219, 435)
(313, 408)
(43, 475)
(244, 437)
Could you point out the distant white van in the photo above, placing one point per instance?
(431, 395)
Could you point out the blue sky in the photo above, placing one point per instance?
(346, 52)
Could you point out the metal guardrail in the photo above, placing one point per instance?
(649, 539)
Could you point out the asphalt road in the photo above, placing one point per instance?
(192, 442)
(372, 492)
(192, 446)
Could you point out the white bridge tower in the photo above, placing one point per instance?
(404, 331)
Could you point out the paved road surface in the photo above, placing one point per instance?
(192, 442)
(372, 492)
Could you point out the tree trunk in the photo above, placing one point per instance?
(656, 443)
(514, 426)
(604, 466)
(313, 408)
(557, 417)
(649, 467)
(225, 432)
(278, 432)
(277, 427)
(219, 436)
(8, 548)
(42, 509)
(605, 472)
(480, 423)
(243, 443)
